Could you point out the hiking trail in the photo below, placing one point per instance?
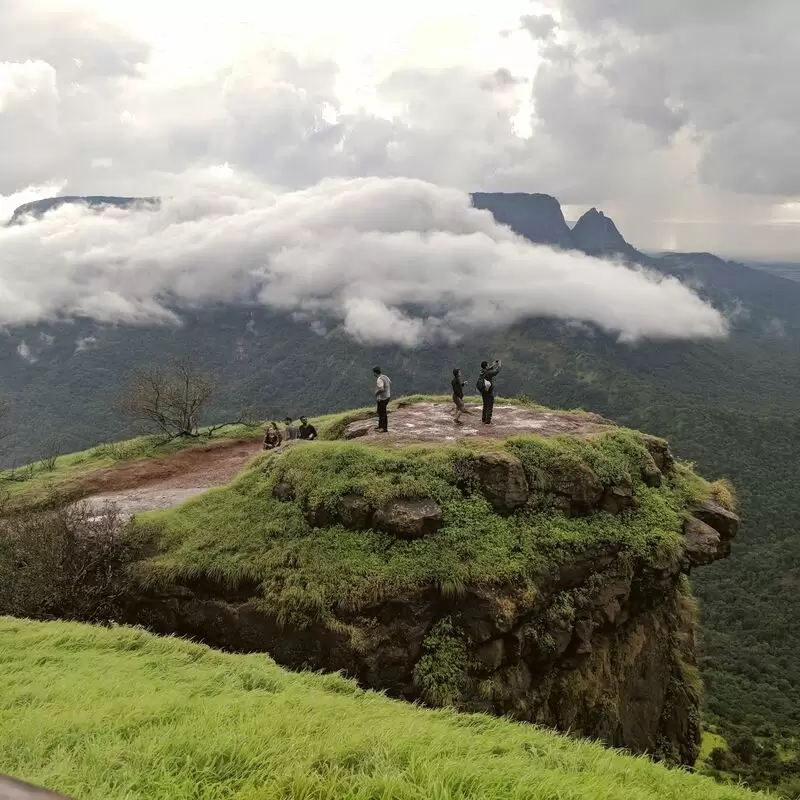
(158, 483)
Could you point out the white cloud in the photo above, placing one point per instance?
(25, 353)
(397, 260)
(85, 343)
(22, 82)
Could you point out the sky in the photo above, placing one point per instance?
(678, 119)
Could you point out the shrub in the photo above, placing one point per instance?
(69, 562)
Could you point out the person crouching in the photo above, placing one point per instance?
(272, 437)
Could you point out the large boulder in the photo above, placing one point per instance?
(354, 512)
(502, 481)
(725, 522)
(618, 497)
(660, 451)
(409, 519)
(701, 543)
(579, 488)
(651, 475)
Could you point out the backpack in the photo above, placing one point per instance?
(481, 385)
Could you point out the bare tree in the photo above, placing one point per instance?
(171, 400)
(50, 451)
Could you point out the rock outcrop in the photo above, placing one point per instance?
(502, 481)
(592, 636)
(409, 519)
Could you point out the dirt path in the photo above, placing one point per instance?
(164, 482)
(433, 422)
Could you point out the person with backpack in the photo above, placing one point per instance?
(485, 387)
(458, 396)
(383, 393)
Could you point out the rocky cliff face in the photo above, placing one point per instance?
(596, 234)
(597, 640)
(537, 217)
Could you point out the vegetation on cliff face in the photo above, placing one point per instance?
(106, 714)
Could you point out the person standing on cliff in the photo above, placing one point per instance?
(383, 393)
(485, 386)
(458, 396)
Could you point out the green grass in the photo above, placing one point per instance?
(241, 532)
(709, 742)
(34, 482)
(119, 714)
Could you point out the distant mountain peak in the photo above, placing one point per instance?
(537, 217)
(38, 208)
(596, 234)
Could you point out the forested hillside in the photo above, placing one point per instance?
(732, 406)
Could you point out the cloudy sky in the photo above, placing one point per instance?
(319, 155)
(677, 118)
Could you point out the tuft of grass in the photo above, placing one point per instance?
(119, 714)
(722, 492)
(241, 532)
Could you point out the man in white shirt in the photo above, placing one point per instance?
(383, 393)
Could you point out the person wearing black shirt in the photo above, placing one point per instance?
(485, 386)
(308, 432)
(458, 396)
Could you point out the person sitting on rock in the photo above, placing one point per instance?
(485, 386)
(290, 431)
(458, 396)
(272, 437)
(307, 431)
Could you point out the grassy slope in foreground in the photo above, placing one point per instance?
(102, 714)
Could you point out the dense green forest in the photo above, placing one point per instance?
(732, 406)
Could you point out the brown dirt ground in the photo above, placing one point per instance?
(163, 482)
(205, 466)
(433, 422)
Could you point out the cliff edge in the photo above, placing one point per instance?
(540, 575)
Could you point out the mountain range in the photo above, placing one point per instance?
(732, 406)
